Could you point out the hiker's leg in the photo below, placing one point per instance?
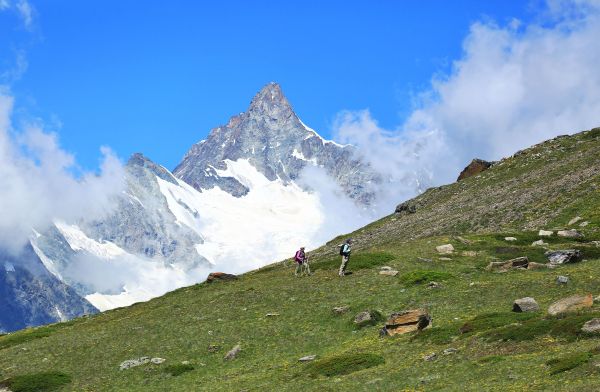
(308, 268)
(298, 267)
(343, 265)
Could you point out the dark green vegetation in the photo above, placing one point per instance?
(176, 370)
(37, 382)
(343, 364)
(497, 350)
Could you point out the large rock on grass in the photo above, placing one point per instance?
(592, 326)
(407, 321)
(445, 249)
(475, 167)
(564, 256)
(367, 318)
(570, 304)
(504, 266)
(220, 276)
(526, 304)
(570, 234)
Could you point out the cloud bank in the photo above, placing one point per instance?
(513, 86)
(40, 181)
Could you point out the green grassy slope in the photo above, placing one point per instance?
(544, 187)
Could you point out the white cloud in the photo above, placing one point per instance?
(38, 184)
(4, 5)
(514, 85)
(26, 12)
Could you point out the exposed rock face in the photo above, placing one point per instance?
(564, 256)
(571, 304)
(445, 249)
(220, 276)
(545, 233)
(592, 326)
(570, 234)
(274, 140)
(406, 207)
(526, 304)
(475, 167)
(30, 295)
(407, 321)
(504, 266)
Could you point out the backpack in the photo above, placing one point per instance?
(342, 250)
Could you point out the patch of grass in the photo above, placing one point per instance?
(487, 321)
(568, 362)
(343, 364)
(437, 335)
(425, 276)
(568, 328)
(37, 382)
(27, 335)
(492, 359)
(358, 261)
(178, 369)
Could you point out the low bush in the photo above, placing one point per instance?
(178, 369)
(424, 276)
(568, 362)
(37, 382)
(343, 364)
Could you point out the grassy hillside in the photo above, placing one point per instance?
(277, 318)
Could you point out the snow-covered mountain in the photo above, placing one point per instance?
(249, 194)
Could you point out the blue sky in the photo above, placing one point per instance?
(155, 77)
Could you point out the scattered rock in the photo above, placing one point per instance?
(430, 357)
(445, 259)
(385, 268)
(407, 321)
(564, 256)
(233, 353)
(406, 207)
(592, 326)
(526, 304)
(464, 240)
(307, 358)
(584, 224)
(131, 363)
(504, 266)
(157, 361)
(213, 348)
(185, 362)
(545, 233)
(510, 239)
(341, 309)
(220, 276)
(368, 317)
(475, 167)
(433, 285)
(539, 243)
(388, 272)
(572, 233)
(562, 280)
(431, 261)
(597, 243)
(272, 314)
(574, 220)
(469, 253)
(450, 351)
(445, 249)
(571, 304)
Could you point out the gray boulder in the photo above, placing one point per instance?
(592, 326)
(526, 304)
(562, 280)
(572, 233)
(564, 256)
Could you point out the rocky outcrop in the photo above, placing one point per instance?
(571, 304)
(406, 321)
(406, 207)
(504, 266)
(591, 326)
(564, 256)
(572, 233)
(220, 277)
(526, 304)
(475, 167)
(445, 249)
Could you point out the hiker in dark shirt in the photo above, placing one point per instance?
(301, 262)
(345, 253)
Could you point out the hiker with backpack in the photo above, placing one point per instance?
(301, 262)
(345, 250)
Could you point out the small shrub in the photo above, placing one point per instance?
(343, 364)
(484, 322)
(424, 276)
(568, 362)
(437, 335)
(37, 382)
(178, 369)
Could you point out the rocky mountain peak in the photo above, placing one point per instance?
(270, 102)
(138, 162)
